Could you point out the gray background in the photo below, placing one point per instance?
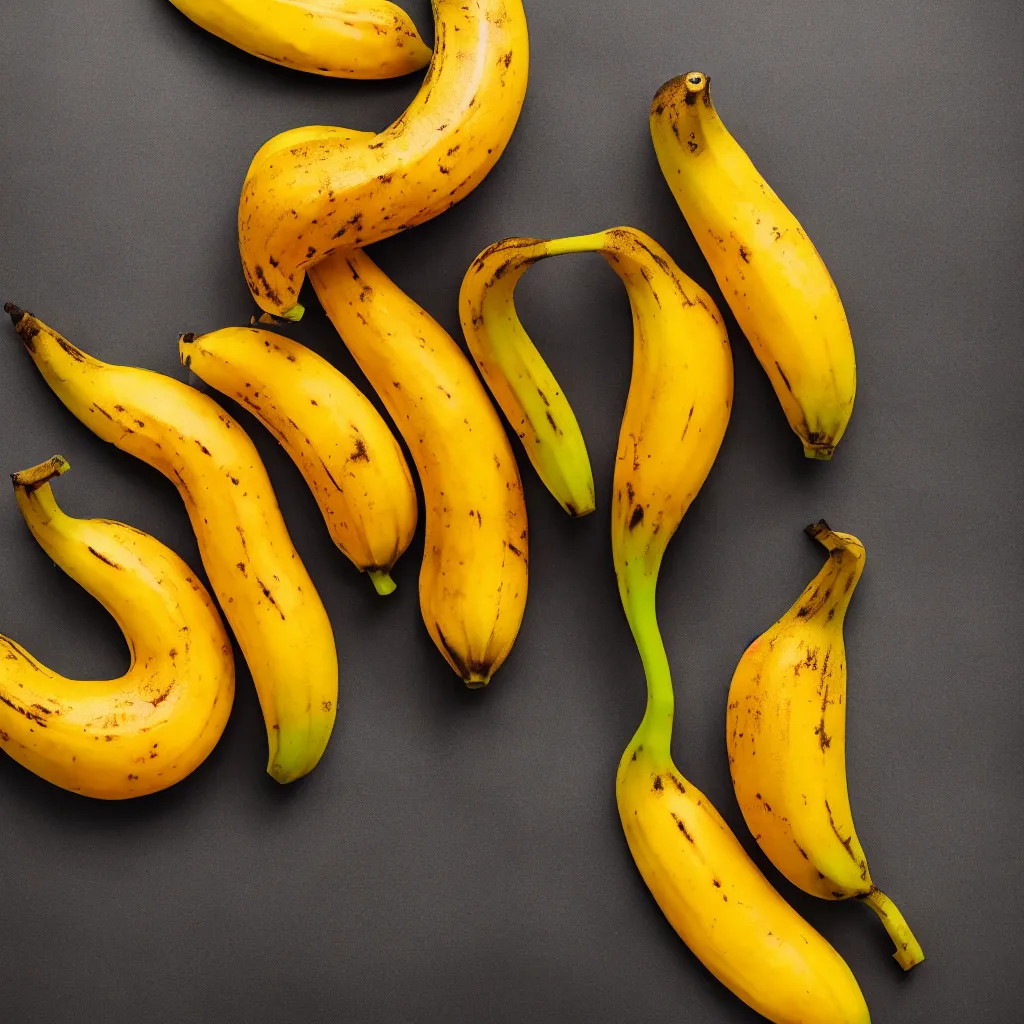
(457, 856)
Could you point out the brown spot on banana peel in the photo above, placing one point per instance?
(104, 559)
(847, 843)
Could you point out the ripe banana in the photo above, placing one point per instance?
(308, 194)
(263, 587)
(337, 38)
(341, 444)
(786, 733)
(768, 269)
(474, 576)
(148, 729)
(520, 380)
(676, 414)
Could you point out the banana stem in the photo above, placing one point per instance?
(41, 474)
(908, 949)
(382, 582)
(638, 599)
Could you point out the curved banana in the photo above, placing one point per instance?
(786, 733)
(149, 728)
(336, 38)
(519, 379)
(346, 452)
(676, 415)
(768, 269)
(263, 587)
(306, 196)
(474, 576)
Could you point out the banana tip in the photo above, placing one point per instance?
(15, 312)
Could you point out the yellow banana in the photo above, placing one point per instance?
(767, 268)
(786, 733)
(263, 587)
(344, 449)
(307, 195)
(676, 415)
(149, 728)
(337, 38)
(474, 575)
(519, 379)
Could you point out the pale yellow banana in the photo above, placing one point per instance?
(786, 734)
(337, 38)
(307, 195)
(769, 272)
(678, 407)
(147, 729)
(474, 576)
(263, 587)
(346, 452)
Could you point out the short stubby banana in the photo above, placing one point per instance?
(678, 408)
(259, 579)
(306, 196)
(151, 727)
(473, 580)
(769, 272)
(337, 38)
(786, 734)
(346, 452)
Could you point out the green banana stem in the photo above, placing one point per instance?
(638, 592)
(382, 582)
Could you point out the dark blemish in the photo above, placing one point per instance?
(273, 262)
(103, 412)
(633, 758)
(161, 697)
(327, 705)
(690, 99)
(630, 493)
(233, 479)
(717, 884)
(75, 353)
(241, 568)
(133, 778)
(271, 292)
(677, 783)
(785, 379)
(543, 397)
(572, 509)
(310, 252)
(803, 852)
(687, 425)
(203, 448)
(453, 656)
(845, 842)
(551, 420)
(103, 558)
(515, 550)
(681, 826)
(269, 596)
(360, 454)
(313, 401)
(657, 783)
(745, 256)
(637, 517)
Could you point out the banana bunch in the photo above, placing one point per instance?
(786, 734)
(474, 576)
(312, 191)
(340, 443)
(149, 728)
(769, 272)
(260, 581)
(677, 411)
(337, 38)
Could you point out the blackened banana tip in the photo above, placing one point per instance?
(15, 312)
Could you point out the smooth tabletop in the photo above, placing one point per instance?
(457, 856)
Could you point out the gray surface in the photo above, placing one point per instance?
(457, 856)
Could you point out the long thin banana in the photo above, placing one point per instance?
(145, 730)
(305, 197)
(769, 272)
(521, 382)
(786, 733)
(474, 576)
(263, 587)
(346, 452)
(337, 38)
(676, 414)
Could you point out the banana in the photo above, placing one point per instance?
(520, 380)
(263, 587)
(341, 444)
(678, 408)
(151, 727)
(336, 38)
(307, 195)
(473, 580)
(786, 733)
(767, 268)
